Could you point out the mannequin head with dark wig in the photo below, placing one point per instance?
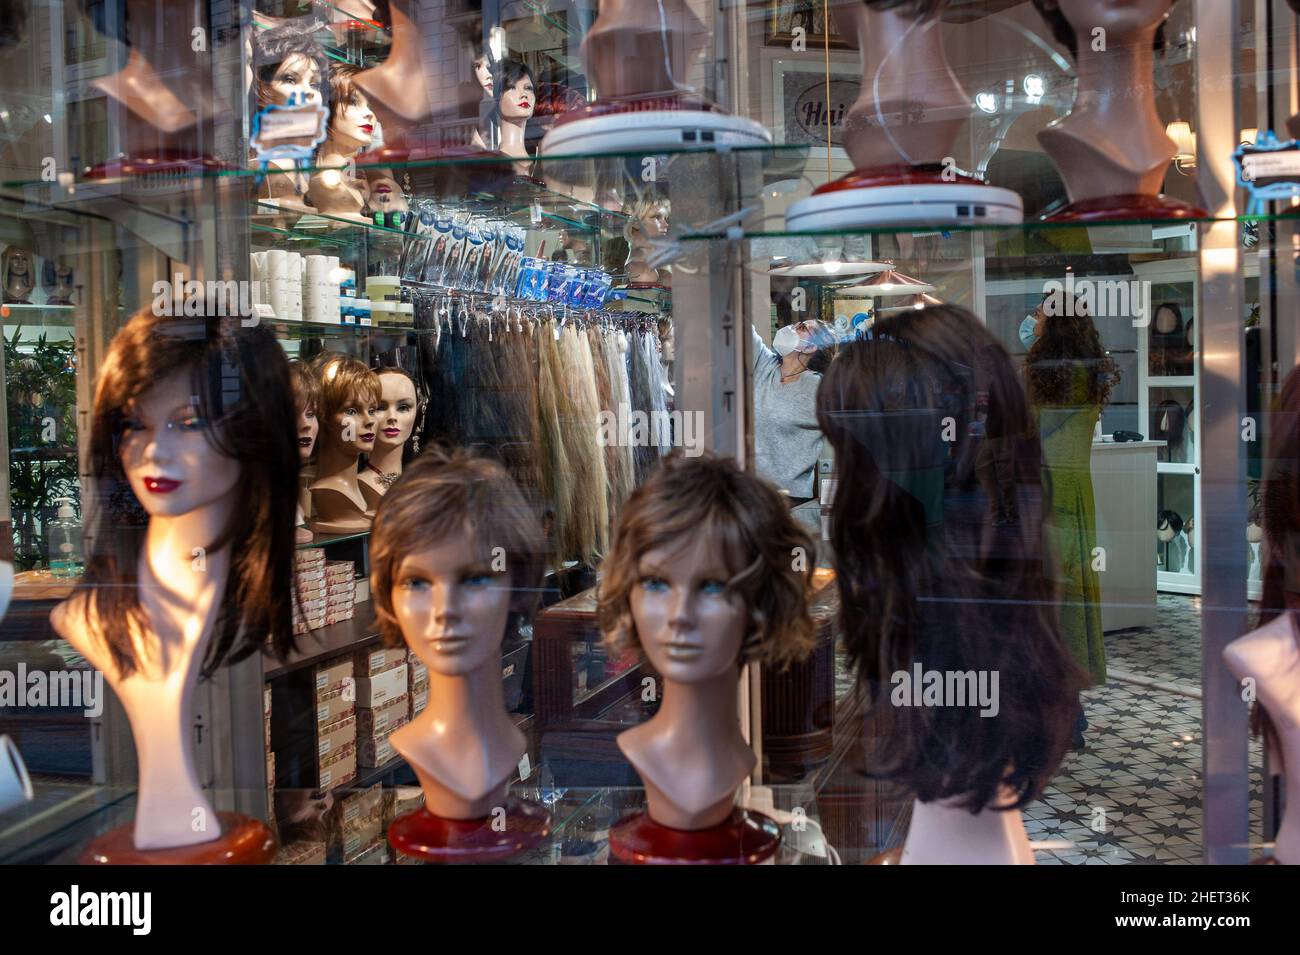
(926, 576)
(235, 383)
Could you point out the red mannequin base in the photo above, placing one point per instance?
(425, 836)
(163, 162)
(243, 841)
(903, 194)
(747, 838)
(1133, 207)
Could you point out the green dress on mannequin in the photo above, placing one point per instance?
(1070, 528)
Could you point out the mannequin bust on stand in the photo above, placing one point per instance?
(334, 189)
(701, 579)
(57, 281)
(287, 63)
(639, 54)
(1112, 150)
(647, 222)
(399, 406)
(1270, 655)
(19, 275)
(349, 398)
(902, 129)
(306, 400)
(930, 584)
(184, 428)
(165, 90)
(514, 107)
(457, 558)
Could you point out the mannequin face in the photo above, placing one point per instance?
(518, 102)
(296, 76)
(308, 428)
(483, 74)
(353, 120)
(17, 263)
(655, 224)
(691, 629)
(354, 425)
(451, 606)
(397, 410)
(1117, 17)
(166, 456)
(1166, 321)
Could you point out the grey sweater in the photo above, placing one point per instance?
(787, 441)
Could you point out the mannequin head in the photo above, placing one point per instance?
(385, 195)
(1122, 21)
(287, 62)
(1168, 319)
(18, 274)
(185, 418)
(647, 220)
(349, 398)
(517, 98)
(306, 399)
(352, 122)
(483, 73)
(56, 278)
(399, 405)
(455, 551)
(701, 575)
(925, 575)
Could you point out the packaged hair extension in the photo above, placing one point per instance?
(553, 457)
(418, 241)
(624, 475)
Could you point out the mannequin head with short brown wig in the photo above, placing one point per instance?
(768, 556)
(349, 393)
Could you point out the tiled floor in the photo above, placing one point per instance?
(1133, 794)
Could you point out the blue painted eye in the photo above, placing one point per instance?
(478, 580)
(654, 584)
(714, 587)
(413, 583)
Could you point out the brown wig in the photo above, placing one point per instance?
(343, 380)
(442, 495)
(343, 88)
(1063, 32)
(271, 48)
(925, 577)
(306, 386)
(242, 383)
(589, 483)
(1280, 503)
(686, 498)
(1067, 364)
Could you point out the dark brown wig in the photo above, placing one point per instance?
(306, 386)
(1280, 504)
(1063, 32)
(272, 47)
(771, 556)
(925, 577)
(441, 495)
(1067, 364)
(241, 379)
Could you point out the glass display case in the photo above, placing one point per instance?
(666, 193)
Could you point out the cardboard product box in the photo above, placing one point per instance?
(301, 627)
(346, 589)
(334, 706)
(341, 770)
(374, 751)
(381, 720)
(419, 700)
(309, 555)
(353, 845)
(399, 800)
(266, 701)
(419, 674)
(360, 804)
(376, 690)
(337, 571)
(344, 606)
(270, 772)
(337, 616)
(301, 853)
(372, 662)
(363, 590)
(334, 736)
(332, 675)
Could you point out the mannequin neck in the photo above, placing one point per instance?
(337, 461)
(467, 705)
(904, 41)
(707, 711)
(1119, 79)
(170, 545)
(942, 833)
(338, 150)
(387, 457)
(512, 136)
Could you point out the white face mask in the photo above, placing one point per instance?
(787, 340)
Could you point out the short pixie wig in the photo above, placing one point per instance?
(770, 556)
(441, 495)
(343, 380)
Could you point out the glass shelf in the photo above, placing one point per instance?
(38, 316)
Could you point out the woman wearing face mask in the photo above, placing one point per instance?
(787, 441)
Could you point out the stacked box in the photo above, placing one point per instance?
(340, 591)
(336, 723)
(375, 855)
(383, 702)
(357, 824)
(301, 853)
(270, 754)
(418, 686)
(309, 590)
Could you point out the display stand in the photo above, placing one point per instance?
(746, 838)
(495, 838)
(243, 841)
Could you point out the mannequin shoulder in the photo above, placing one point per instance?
(1271, 648)
(71, 621)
